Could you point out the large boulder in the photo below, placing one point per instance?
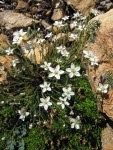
(103, 73)
(83, 6)
(10, 19)
(107, 138)
(4, 41)
(103, 49)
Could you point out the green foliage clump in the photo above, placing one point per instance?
(26, 123)
(109, 78)
(92, 29)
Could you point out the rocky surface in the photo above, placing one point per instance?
(57, 14)
(83, 6)
(4, 41)
(11, 19)
(21, 4)
(6, 61)
(104, 5)
(103, 49)
(107, 138)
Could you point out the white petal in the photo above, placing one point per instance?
(19, 111)
(72, 120)
(77, 74)
(51, 75)
(49, 89)
(57, 76)
(51, 69)
(66, 103)
(49, 103)
(44, 90)
(63, 106)
(72, 125)
(72, 66)
(71, 75)
(77, 68)
(27, 113)
(68, 69)
(61, 72)
(106, 86)
(78, 117)
(42, 99)
(105, 91)
(72, 93)
(48, 98)
(22, 117)
(59, 103)
(100, 85)
(41, 85)
(77, 126)
(85, 52)
(46, 107)
(41, 104)
(64, 89)
(57, 68)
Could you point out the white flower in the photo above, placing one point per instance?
(20, 33)
(60, 48)
(45, 102)
(73, 24)
(56, 72)
(73, 36)
(75, 122)
(40, 41)
(49, 35)
(65, 18)
(65, 53)
(80, 27)
(94, 60)
(46, 66)
(73, 71)
(71, 112)
(23, 114)
(58, 24)
(17, 40)
(103, 88)
(45, 87)
(63, 102)
(27, 48)
(67, 92)
(88, 54)
(18, 36)
(9, 51)
(14, 62)
(58, 60)
(76, 15)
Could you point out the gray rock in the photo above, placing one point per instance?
(10, 19)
